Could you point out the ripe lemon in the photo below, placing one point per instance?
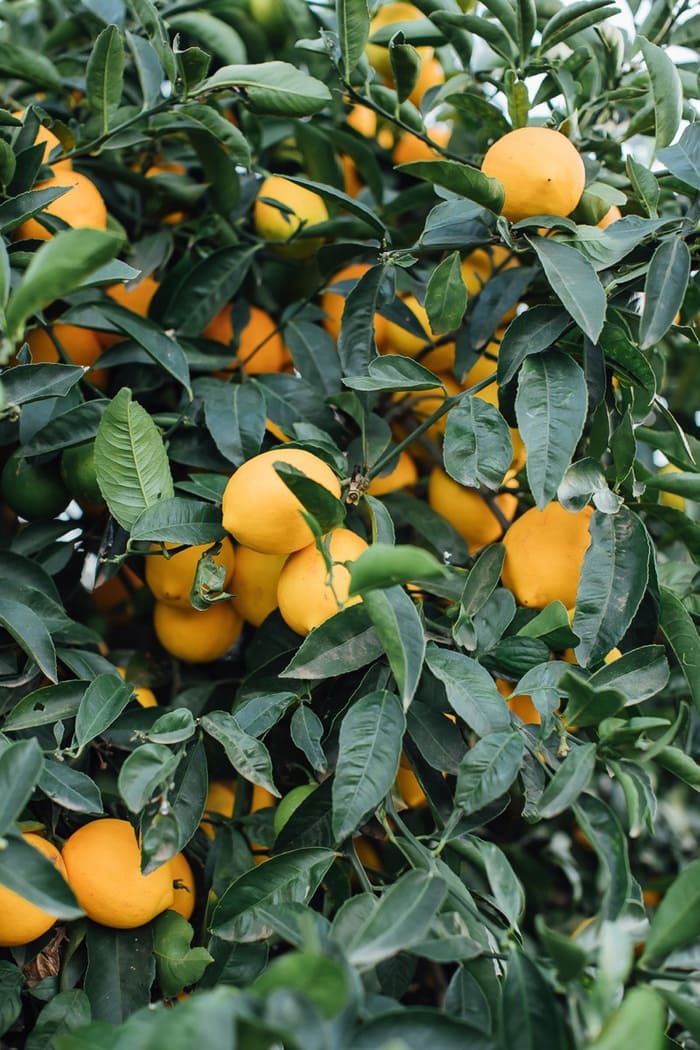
(612, 215)
(20, 921)
(351, 177)
(481, 264)
(33, 490)
(184, 894)
(378, 55)
(50, 142)
(467, 510)
(540, 170)
(302, 207)
(431, 74)
(103, 866)
(197, 637)
(410, 147)
(144, 696)
(401, 476)
(303, 592)
(544, 555)
(364, 122)
(260, 346)
(400, 341)
(82, 206)
(409, 789)
(81, 346)
(171, 579)
(254, 583)
(333, 303)
(522, 706)
(134, 297)
(261, 512)
(221, 799)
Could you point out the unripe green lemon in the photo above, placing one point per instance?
(291, 802)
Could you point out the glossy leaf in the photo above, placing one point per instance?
(666, 91)
(401, 919)
(356, 346)
(393, 372)
(488, 770)
(446, 295)
(470, 689)
(400, 630)
(345, 642)
(327, 510)
(478, 449)
(575, 283)
(383, 565)
(306, 730)
(26, 871)
(69, 788)
(30, 633)
(104, 700)
(105, 75)
(664, 290)
(458, 178)
(247, 755)
(531, 332)
(21, 765)
(180, 521)
(273, 88)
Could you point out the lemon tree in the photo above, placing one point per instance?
(349, 663)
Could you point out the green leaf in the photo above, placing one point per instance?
(664, 290)
(210, 121)
(687, 1011)
(683, 484)
(31, 634)
(639, 674)
(44, 706)
(120, 971)
(355, 207)
(21, 764)
(154, 28)
(644, 184)
(400, 919)
(488, 770)
(588, 704)
(459, 178)
(161, 347)
(471, 691)
(666, 91)
(575, 283)
(573, 776)
(356, 346)
(208, 285)
(177, 963)
(401, 633)
(344, 643)
(414, 1028)
(603, 830)
(16, 210)
(66, 1012)
(306, 730)
(212, 33)
(683, 159)
(530, 1013)
(405, 66)
(573, 18)
(382, 565)
(289, 878)
(179, 520)
(569, 957)
(368, 759)
(104, 76)
(248, 755)
(11, 984)
(550, 408)
(489, 31)
(69, 788)
(103, 702)
(681, 765)
(29, 65)
(319, 979)
(235, 417)
(639, 1021)
(677, 919)
(682, 635)
(526, 12)
(25, 383)
(56, 269)
(149, 767)
(613, 581)
(483, 578)
(530, 332)
(26, 871)
(393, 372)
(132, 466)
(478, 448)
(273, 88)
(628, 362)
(326, 509)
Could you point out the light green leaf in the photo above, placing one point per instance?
(382, 565)
(353, 31)
(104, 76)
(666, 91)
(177, 963)
(273, 88)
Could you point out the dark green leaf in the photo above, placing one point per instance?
(345, 642)
(415, 1028)
(120, 971)
(401, 633)
(573, 18)
(530, 332)
(575, 283)
(247, 755)
(687, 1011)
(682, 635)
(356, 346)
(639, 674)
(161, 347)
(104, 76)
(639, 1021)
(273, 88)
(66, 1012)
(478, 449)
(353, 31)
(103, 702)
(683, 159)
(569, 957)
(44, 706)
(405, 66)
(677, 919)
(572, 777)
(446, 295)
(459, 178)
(179, 520)
(26, 871)
(29, 65)
(11, 984)
(306, 730)
(16, 210)
(31, 634)
(208, 286)
(401, 919)
(21, 764)
(664, 290)
(602, 828)
(470, 689)
(327, 510)
(149, 767)
(588, 705)
(213, 33)
(393, 372)
(70, 788)
(25, 383)
(530, 1013)
(235, 417)
(319, 979)
(488, 770)
(645, 185)
(666, 91)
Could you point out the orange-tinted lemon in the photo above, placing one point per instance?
(612, 215)
(136, 297)
(260, 346)
(20, 921)
(103, 866)
(304, 595)
(544, 555)
(221, 799)
(81, 206)
(184, 893)
(522, 706)
(467, 510)
(194, 636)
(431, 74)
(254, 584)
(401, 476)
(171, 579)
(261, 512)
(399, 340)
(410, 147)
(144, 696)
(333, 303)
(301, 208)
(409, 789)
(50, 142)
(540, 170)
(81, 347)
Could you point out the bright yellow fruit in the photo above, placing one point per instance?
(184, 894)
(302, 207)
(20, 921)
(303, 592)
(171, 579)
(261, 512)
(254, 584)
(467, 510)
(221, 799)
(410, 147)
(144, 696)
(540, 170)
(103, 866)
(260, 345)
(544, 555)
(671, 499)
(402, 476)
(522, 706)
(400, 341)
(82, 206)
(194, 636)
(50, 142)
(409, 789)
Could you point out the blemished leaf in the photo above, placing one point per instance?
(26, 871)
(104, 75)
(478, 448)
(683, 159)
(531, 332)
(575, 283)
(177, 963)
(393, 372)
(179, 520)
(272, 88)
(664, 290)
(471, 691)
(56, 269)
(550, 408)
(488, 770)
(31, 634)
(459, 178)
(248, 755)
(666, 91)
(328, 511)
(573, 776)
(306, 730)
(446, 295)
(382, 565)
(66, 1012)
(682, 635)
(131, 462)
(604, 831)
(21, 764)
(402, 635)
(120, 971)
(46, 705)
(356, 345)
(161, 347)
(639, 1021)
(104, 700)
(289, 878)
(69, 788)
(401, 919)
(677, 919)
(613, 580)
(530, 1014)
(235, 417)
(345, 642)
(369, 750)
